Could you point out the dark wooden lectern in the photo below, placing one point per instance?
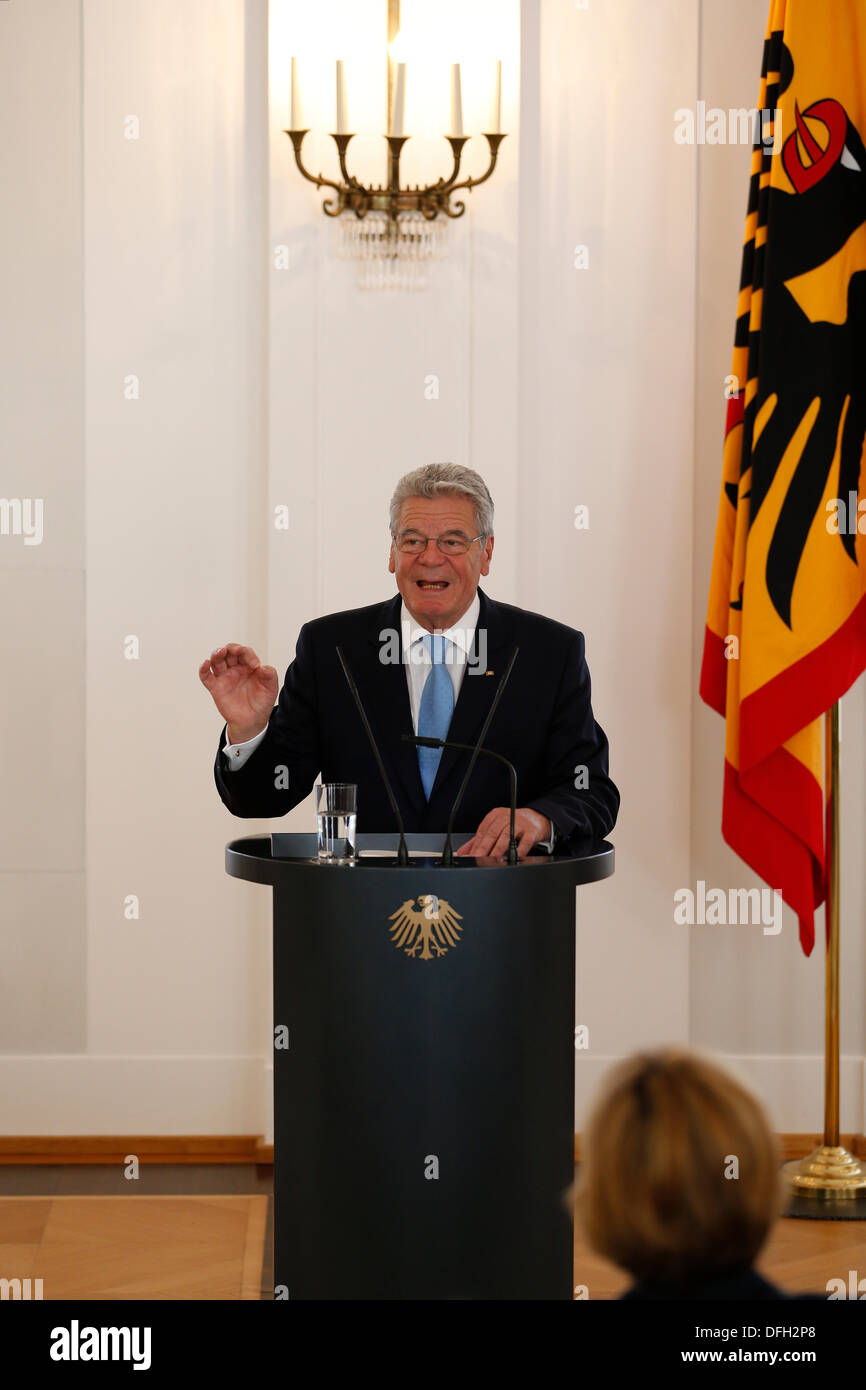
(424, 1105)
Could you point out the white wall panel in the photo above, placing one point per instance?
(606, 422)
(174, 243)
(259, 385)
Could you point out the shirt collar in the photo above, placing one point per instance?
(461, 634)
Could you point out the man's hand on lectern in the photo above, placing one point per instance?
(491, 837)
(243, 690)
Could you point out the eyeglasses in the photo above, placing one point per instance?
(410, 543)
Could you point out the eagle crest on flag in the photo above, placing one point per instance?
(786, 619)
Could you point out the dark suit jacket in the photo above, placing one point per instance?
(544, 724)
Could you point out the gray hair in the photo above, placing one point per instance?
(438, 479)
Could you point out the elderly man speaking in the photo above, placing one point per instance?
(428, 662)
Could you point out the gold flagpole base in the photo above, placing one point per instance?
(830, 1173)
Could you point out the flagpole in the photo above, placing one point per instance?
(831, 955)
(830, 1172)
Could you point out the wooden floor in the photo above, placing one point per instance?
(800, 1257)
(136, 1247)
(216, 1244)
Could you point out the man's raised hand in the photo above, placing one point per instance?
(243, 690)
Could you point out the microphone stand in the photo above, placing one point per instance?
(513, 856)
(402, 849)
(447, 851)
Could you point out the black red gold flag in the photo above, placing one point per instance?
(786, 618)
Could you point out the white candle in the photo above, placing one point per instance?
(295, 118)
(399, 102)
(456, 101)
(496, 114)
(342, 116)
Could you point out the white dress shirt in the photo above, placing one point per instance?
(418, 660)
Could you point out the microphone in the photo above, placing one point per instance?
(447, 851)
(513, 856)
(402, 850)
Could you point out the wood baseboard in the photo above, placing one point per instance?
(792, 1145)
(151, 1148)
(244, 1148)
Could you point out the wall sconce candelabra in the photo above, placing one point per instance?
(392, 232)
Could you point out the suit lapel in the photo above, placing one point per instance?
(476, 696)
(385, 692)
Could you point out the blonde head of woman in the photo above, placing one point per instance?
(680, 1175)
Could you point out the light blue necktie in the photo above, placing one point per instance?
(437, 706)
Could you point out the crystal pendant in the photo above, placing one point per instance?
(391, 254)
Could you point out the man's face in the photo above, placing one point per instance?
(437, 588)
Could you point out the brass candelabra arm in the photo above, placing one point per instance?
(494, 141)
(395, 149)
(445, 185)
(328, 206)
(342, 143)
(431, 200)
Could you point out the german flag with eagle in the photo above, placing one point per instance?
(786, 619)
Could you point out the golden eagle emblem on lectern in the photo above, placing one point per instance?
(427, 931)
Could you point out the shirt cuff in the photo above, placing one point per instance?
(549, 844)
(237, 754)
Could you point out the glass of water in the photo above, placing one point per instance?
(337, 815)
